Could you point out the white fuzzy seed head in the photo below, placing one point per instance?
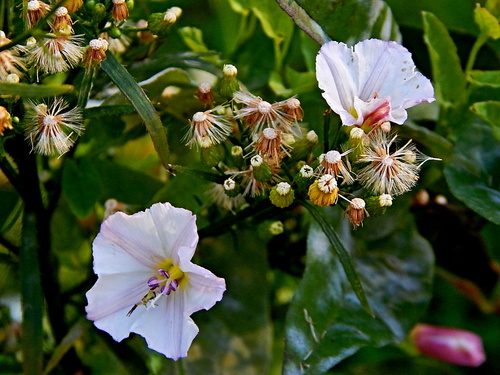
(199, 117)
(61, 12)
(264, 107)
(270, 133)
(358, 203)
(293, 103)
(332, 157)
(33, 5)
(327, 183)
(204, 87)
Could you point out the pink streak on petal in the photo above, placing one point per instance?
(112, 297)
(451, 345)
(374, 111)
(167, 328)
(175, 227)
(127, 243)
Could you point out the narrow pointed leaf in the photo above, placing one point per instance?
(343, 255)
(138, 98)
(33, 91)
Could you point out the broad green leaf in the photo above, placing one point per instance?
(473, 172)
(126, 185)
(494, 7)
(326, 323)
(193, 37)
(489, 112)
(487, 78)
(240, 323)
(302, 20)
(276, 24)
(447, 73)
(353, 20)
(137, 97)
(487, 22)
(457, 15)
(33, 91)
(80, 185)
(343, 255)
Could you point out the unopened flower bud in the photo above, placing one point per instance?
(282, 195)
(210, 154)
(261, 170)
(377, 205)
(231, 188)
(304, 146)
(276, 228)
(450, 345)
(303, 178)
(160, 23)
(177, 11)
(237, 151)
(228, 84)
(356, 143)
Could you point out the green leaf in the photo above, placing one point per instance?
(193, 37)
(137, 97)
(487, 22)
(81, 186)
(353, 20)
(302, 20)
(67, 342)
(240, 324)
(108, 110)
(448, 75)
(342, 254)
(486, 78)
(33, 91)
(276, 24)
(207, 176)
(490, 112)
(473, 174)
(326, 323)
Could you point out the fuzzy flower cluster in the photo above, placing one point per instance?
(368, 86)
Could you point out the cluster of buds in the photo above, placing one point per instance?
(272, 155)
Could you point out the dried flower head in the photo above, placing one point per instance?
(258, 113)
(57, 54)
(5, 120)
(119, 11)
(62, 21)
(324, 191)
(271, 147)
(356, 212)
(36, 10)
(207, 124)
(10, 62)
(205, 94)
(387, 172)
(293, 109)
(95, 52)
(50, 129)
(331, 163)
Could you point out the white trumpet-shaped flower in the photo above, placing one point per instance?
(146, 281)
(372, 82)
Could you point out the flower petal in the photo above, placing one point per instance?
(335, 72)
(167, 328)
(386, 69)
(127, 243)
(204, 289)
(112, 297)
(176, 227)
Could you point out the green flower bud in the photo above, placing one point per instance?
(356, 143)
(231, 188)
(130, 4)
(210, 154)
(304, 146)
(115, 32)
(98, 12)
(377, 205)
(282, 195)
(229, 83)
(160, 23)
(261, 170)
(304, 178)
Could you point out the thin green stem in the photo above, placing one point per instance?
(180, 367)
(473, 52)
(326, 131)
(86, 86)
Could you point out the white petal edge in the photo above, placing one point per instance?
(112, 297)
(167, 328)
(335, 70)
(176, 227)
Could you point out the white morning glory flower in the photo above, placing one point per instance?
(146, 281)
(372, 82)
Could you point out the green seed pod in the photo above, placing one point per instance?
(115, 32)
(261, 170)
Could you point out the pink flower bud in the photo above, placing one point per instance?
(451, 345)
